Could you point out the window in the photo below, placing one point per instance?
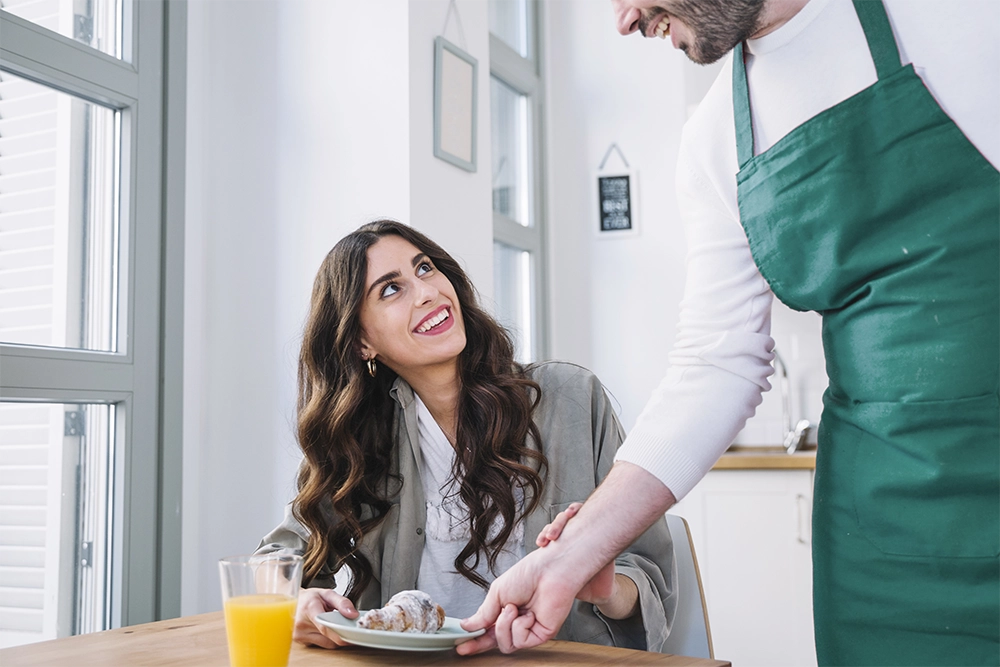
(86, 262)
(96, 23)
(58, 258)
(516, 135)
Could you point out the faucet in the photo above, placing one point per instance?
(794, 437)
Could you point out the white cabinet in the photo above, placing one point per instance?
(751, 530)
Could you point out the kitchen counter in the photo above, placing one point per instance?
(743, 457)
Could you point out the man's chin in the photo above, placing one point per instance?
(699, 57)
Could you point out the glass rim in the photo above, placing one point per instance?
(254, 559)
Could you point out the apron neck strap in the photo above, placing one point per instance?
(881, 43)
(878, 32)
(741, 108)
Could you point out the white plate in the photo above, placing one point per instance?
(450, 634)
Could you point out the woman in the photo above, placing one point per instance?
(432, 460)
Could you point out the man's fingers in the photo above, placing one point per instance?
(487, 614)
(524, 631)
(504, 634)
(484, 642)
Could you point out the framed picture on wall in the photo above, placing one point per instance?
(455, 80)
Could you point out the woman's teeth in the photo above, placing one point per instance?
(662, 29)
(433, 322)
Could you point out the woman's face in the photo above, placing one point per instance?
(411, 320)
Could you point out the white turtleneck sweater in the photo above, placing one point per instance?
(722, 358)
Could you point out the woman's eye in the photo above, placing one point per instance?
(425, 267)
(389, 290)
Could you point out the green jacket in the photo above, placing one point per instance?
(580, 435)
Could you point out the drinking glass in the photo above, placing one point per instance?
(259, 594)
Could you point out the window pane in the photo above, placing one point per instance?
(56, 490)
(509, 22)
(96, 23)
(58, 218)
(512, 287)
(509, 135)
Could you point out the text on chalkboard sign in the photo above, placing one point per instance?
(615, 203)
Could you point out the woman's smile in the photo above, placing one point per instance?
(436, 323)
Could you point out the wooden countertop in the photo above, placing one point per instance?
(742, 457)
(201, 640)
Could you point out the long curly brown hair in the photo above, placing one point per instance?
(347, 420)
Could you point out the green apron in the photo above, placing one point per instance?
(881, 216)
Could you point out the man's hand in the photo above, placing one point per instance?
(315, 601)
(534, 584)
(529, 603)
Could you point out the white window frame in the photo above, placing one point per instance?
(143, 378)
(523, 75)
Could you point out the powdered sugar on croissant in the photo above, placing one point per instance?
(406, 611)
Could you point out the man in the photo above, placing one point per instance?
(822, 169)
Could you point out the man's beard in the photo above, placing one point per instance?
(716, 25)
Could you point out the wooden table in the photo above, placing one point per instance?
(201, 640)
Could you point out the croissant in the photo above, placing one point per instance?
(406, 611)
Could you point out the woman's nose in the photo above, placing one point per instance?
(425, 292)
(626, 16)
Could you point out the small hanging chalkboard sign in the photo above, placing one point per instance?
(616, 197)
(615, 201)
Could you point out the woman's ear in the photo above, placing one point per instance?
(365, 350)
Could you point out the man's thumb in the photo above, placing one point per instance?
(486, 616)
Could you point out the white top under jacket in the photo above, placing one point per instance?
(448, 527)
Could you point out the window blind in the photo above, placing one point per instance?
(28, 164)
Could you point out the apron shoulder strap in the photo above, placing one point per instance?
(881, 43)
(741, 108)
(878, 32)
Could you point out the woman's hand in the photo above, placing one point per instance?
(602, 588)
(552, 531)
(315, 601)
(615, 595)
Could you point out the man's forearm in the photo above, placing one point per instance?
(626, 503)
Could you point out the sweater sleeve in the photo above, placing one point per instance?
(722, 358)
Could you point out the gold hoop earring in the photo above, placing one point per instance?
(372, 367)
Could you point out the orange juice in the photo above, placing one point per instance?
(259, 628)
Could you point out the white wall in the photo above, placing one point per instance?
(233, 363)
(305, 119)
(616, 302)
(452, 206)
